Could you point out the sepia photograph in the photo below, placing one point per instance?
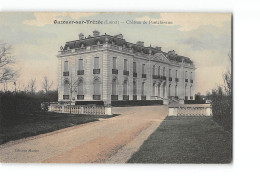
(116, 87)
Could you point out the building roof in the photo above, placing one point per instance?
(119, 41)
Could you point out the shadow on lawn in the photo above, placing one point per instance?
(186, 140)
(44, 122)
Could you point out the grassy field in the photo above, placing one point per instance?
(186, 140)
(40, 123)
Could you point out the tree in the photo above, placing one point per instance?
(32, 86)
(73, 85)
(46, 84)
(228, 78)
(6, 61)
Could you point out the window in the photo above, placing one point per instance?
(134, 88)
(125, 88)
(66, 66)
(80, 64)
(191, 75)
(96, 87)
(185, 91)
(176, 90)
(66, 87)
(114, 87)
(163, 71)
(153, 89)
(114, 62)
(96, 63)
(80, 87)
(191, 90)
(142, 92)
(159, 90)
(154, 70)
(170, 72)
(159, 70)
(125, 65)
(143, 68)
(186, 75)
(169, 90)
(134, 67)
(164, 88)
(176, 74)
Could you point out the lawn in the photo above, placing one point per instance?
(186, 140)
(40, 123)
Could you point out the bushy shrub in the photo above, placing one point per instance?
(17, 105)
(222, 108)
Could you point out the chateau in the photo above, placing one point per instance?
(105, 68)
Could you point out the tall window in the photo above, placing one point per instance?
(176, 90)
(176, 73)
(66, 87)
(186, 75)
(80, 64)
(163, 71)
(114, 87)
(154, 70)
(159, 70)
(125, 87)
(142, 92)
(169, 90)
(191, 90)
(66, 66)
(170, 72)
(134, 88)
(96, 63)
(159, 90)
(96, 87)
(143, 68)
(134, 67)
(190, 75)
(153, 89)
(114, 62)
(164, 87)
(125, 65)
(80, 87)
(185, 90)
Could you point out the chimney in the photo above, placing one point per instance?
(81, 36)
(96, 33)
(171, 52)
(119, 36)
(140, 43)
(158, 48)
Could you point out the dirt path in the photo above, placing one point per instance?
(111, 141)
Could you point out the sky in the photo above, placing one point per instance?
(36, 40)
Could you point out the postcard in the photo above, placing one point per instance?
(116, 87)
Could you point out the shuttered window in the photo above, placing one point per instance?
(96, 87)
(114, 62)
(114, 87)
(143, 68)
(96, 63)
(134, 67)
(66, 66)
(125, 65)
(80, 64)
(80, 87)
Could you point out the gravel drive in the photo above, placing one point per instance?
(111, 140)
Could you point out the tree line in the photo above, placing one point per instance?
(20, 103)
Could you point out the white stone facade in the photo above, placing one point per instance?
(94, 69)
